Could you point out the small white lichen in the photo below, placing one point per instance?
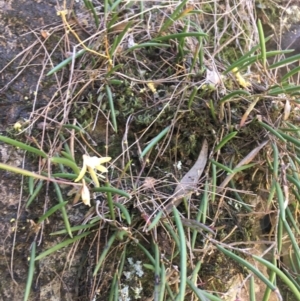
(138, 268)
(124, 294)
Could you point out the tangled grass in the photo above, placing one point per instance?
(149, 84)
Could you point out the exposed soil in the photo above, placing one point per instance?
(20, 24)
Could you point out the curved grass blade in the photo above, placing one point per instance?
(233, 94)
(61, 245)
(112, 107)
(63, 209)
(156, 272)
(147, 44)
(66, 162)
(202, 295)
(163, 281)
(225, 140)
(124, 212)
(279, 273)
(66, 62)
(51, 211)
(173, 17)
(249, 266)
(155, 221)
(280, 198)
(112, 190)
(89, 5)
(106, 249)
(154, 141)
(23, 146)
(287, 90)
(285, 62)
(202, 212)
(110, 204)
(31, 185)
(252, 289)
(273, 131)
(119, 39)
(180, 36)
(262, 43)
(73, 229)
(35, 193)
(289, 74)
(147, 253)
(22, 171)
(30, 272)
(183, 256)
(74, 127)
(221, 166)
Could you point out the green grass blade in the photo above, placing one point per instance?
(154, 141)
(155, 221)
(275, 160)
(35, 193)
(285, 62)
(252, 289)
(181, 35)
(112, 190)
(183, 256)
(89, 5)
(280, 90)
(279, 273)
(30, 185)
(30, 272)
(22, 171)
(73, 229)
(119, 39)
(249, 266)
(273, 131)
(66, 62)
(280, 198)
(66, 162)
(61, 245)
(110, 204)
(163, 282)
(74, 127)
(202, 295)
(289, 74)
(63, 209)
(23, 146)
(233, 94)
(124, 212)
(105, 251)
(147, 44)
(51, 211)
(262, 43)
(225, 140)
(173, 17)
(112, 107)
(221, 166)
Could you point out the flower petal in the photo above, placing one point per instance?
(101, 168)
(85, 194)
(82, 173)
(94, 176)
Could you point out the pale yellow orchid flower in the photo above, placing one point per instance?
(91, 164)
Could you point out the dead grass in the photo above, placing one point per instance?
(124, 98)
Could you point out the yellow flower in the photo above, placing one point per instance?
(85, 194)
(91, 164)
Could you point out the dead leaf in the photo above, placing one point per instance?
(245, 161)
(189, 182)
